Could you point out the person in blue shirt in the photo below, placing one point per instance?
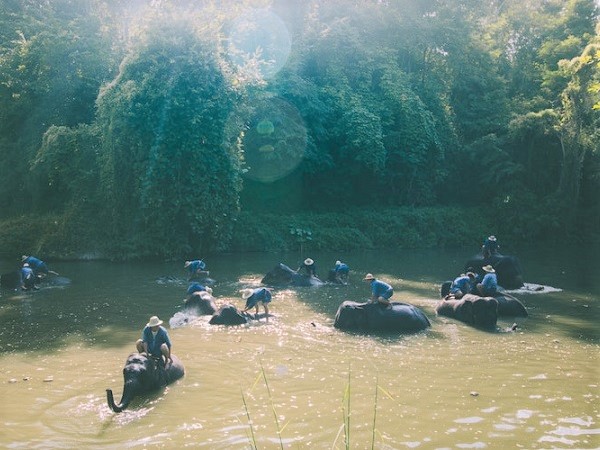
(490, 246)
(308, 267)
(380, 291)
(341, 271)
(256, 296)
(38, 266)
(197, 287)
(155, 341)
(194, 267)
(463, 284)
(489, 284)
(27, 277)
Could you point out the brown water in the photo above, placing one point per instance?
(295, 381)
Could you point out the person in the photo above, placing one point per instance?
(39, 267)
(490, 246)
(463, 284)
(341, 272)
(380, 291)
(195, 288)
(194, 267)
(27, 277)
(155, 341)
(255, 296)
(489, 284)
(309, 267)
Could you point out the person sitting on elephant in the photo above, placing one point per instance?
(196, 288)
(380, 291)
(255, 296)
(39, 267)
(155, 341)
(490, 246)
(194, 267)
(462, 285)
(308, 267)
(489, 284)
(27, 277)
(341, 272)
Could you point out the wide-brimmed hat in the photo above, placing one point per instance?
(247, 293)
(338, 262)
(154, 322)
(187, 263)
(492, 238)
(24, 257)
(308, 262)
(488, 268)
(471, 274)
(369, 276)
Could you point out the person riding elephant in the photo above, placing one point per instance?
(155, 341)
(462, 285)
(282, 275)
(490, 246)
(508, 305)
(142, 374)
(508, 268)
(381, 291)
(200, 302)
(397, 317)
(340, 273)
(28, 278)
(308, 267)
(478, 311)
(489, 284)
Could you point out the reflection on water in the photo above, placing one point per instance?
(283, 383)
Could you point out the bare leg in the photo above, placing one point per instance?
(139, 345)
(256, 315)
(266, 311)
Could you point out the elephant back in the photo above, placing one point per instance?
(228, 315)
(508, 268)
(399, 317)
(510, 306)
(279, 275)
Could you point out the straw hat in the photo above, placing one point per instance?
(369, 276)
(154, 322)
(308, 262)
(488, 268)
(247, 293)
(492, 238)
(23, 258)
(338, 262)
(186, 264)
(208, 289)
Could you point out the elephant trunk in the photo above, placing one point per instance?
(128, 394)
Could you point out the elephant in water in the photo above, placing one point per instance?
(508, 306)
(398, 317)
(201, 303)
(478, 311)
(144, 374)
(228, 315)
(508, 269)
(282, 275)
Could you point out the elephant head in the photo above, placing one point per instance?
(228, 315)
(201, 302)
(398, 317)
(282, 275)
(477, 311)
(508, 269)
(143, 374)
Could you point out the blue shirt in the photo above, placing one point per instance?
(26, 273)
(489, 283)
(259, 295)
(342, 268)
(195, 287)
(462, 284)
(195, 266)
(36, 264)
(381, 289)
(154, 342)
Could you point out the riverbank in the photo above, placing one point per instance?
(75, 237)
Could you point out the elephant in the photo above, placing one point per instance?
(508, 306)
(508, 268)
(201, 303)
(144, 374)
(478, 311)
(228, 315)
(398, 317)
(10, 280)
(282, 275)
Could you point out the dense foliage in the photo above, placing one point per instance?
(170, 128)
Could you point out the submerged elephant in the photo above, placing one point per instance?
(201, 303)
(508, 306)
(508, 269)
(477, 311)
(144, 374)
(228, 315)
(398, 317)
(282, 275)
